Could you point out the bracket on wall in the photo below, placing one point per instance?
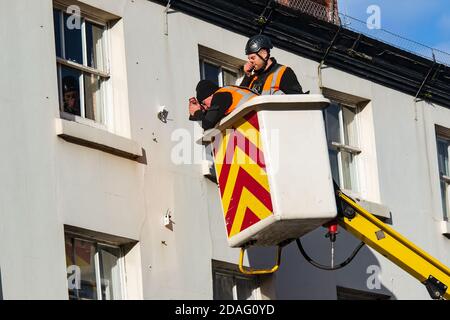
(265, 16)
(327, 51)
(427, 77)
(167, 11)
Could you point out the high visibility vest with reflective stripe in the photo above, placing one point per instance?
(239, 95)
(273, 80)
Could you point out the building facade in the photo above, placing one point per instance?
(100, 199)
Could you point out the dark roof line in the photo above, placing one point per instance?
(351, 52)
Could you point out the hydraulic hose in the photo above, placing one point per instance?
(328, 268)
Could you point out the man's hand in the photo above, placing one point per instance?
(248, 68)
(193, 106)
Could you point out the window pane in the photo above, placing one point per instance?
(212, 73)
(245, 289)
(72, 277)
(442, 146)
(57, 27)
(94, 46)
(349, 171)
(110, 273)
(93, 97)
(72, 39)
(334, 163)
(71, 90)
(223, 287)
(332, 123)
(444, 199)
(350, 133)
(84, 259)
(442, 156)
(229, 78)
(69, 252)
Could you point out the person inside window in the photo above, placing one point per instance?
(71, 97)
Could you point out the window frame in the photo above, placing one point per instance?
(345, 146)
(234, 275)
(222, 65)
(104, 75)
(98, 264)
(444, 178)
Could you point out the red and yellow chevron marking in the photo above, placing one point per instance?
(242, 176)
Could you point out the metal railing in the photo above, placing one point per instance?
(395, 40)
(323, 13)
(312, 8)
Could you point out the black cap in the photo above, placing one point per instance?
(205, 88)
(257, 43)
(69, 84)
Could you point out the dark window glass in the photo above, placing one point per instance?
(332, 123)
(444, 199)
(244, 288)
(212, 73)
(443, 157)
(57, 27)
(71, 90)
(334, 165)
(223, 287)
(72, 39)
(333, 135)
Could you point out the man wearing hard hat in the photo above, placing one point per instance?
(263, 74)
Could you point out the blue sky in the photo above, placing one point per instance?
(425, 21)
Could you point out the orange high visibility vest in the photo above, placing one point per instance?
(240, 95)
(273, 80)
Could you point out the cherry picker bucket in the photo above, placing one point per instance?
(273, 171)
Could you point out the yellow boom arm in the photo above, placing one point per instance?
(382, 238)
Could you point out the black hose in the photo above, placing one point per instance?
(320, 266)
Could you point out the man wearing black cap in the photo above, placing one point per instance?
(71, 99)
(263, 74)
(213, 103)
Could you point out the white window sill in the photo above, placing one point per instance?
(99, 139)
(81, 120)
(445, 227)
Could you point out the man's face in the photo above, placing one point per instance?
(256, 61)
(70, 98)
(207, 102)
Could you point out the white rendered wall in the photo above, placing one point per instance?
(48, 182)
